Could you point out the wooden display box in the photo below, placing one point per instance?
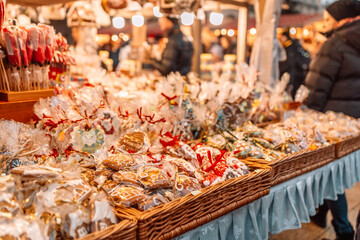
(25, 95)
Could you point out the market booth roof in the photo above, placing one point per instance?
(286, 20)
(37, 2)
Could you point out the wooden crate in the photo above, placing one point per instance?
(26, 95)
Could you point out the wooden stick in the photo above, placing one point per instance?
(5, 75)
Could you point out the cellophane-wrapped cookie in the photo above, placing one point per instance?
(127, 196)
(9, 197)
(119, 162)
(153, 178)
(102, 214)
(23, 228)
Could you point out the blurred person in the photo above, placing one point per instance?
(178, 52)
(357, 236)
(229, 47)
(124, 53)
(334, 84)
(211, 45)
(296, 63)
(160, 47)
(114, 52)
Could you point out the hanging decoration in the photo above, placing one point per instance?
(107, 5)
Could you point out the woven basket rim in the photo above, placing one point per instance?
(140, 215)
(126, 226)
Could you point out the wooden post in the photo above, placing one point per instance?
(261, 9)
(242, 32)
(197, 46)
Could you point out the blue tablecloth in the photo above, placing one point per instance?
(287, 206)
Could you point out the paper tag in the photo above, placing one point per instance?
(9, 46)
(194, 193)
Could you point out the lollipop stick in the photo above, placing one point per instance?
(5, 76)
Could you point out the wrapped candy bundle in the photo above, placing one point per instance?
(29, 50)
(60, 66)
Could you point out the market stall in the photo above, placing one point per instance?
(288, 205)
(222, 154)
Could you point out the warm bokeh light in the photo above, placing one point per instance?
(216, 18)
(114, 38)
(157, 12)
(118, 22)
(138, 20)
(231, 33)
(292, 31)
(187, 18)
(253, 31)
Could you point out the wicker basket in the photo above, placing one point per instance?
(347, 146)
(299, 163)
(124, 230)
(184, 214)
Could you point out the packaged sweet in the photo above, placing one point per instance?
(135, 142)
(184, 185)
(102, 214)
(127, 196)
(109, 185)
(152, 201)
(237, 165)
(153, 178)
(126, 178)
(183, 165)
(119, 162)
(9, 197)
(76, 223)
(22, 228)
(37, 172)
(12, 46)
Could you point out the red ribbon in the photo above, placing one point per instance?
(175, 140)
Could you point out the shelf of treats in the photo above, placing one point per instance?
(19, 106)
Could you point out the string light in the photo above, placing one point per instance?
(253, 31)
(187, 18)
(216, 18)
(223, 31)
(138, 20)
(306, 32)
(156, 12)
(293, 31)
(118, 22)
(231, 33)
(114, 38)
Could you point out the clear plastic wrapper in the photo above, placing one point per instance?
(22, 228)
(119, 162)
(153, 178)
(127, 196)
(102, 214)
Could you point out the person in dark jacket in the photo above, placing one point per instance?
(178, 51)
(334, 84)
(334, 76)
(296, 63)
(357, 236)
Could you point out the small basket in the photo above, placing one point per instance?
(184, 214)
(124, 230)
(299, 163)
(347, 146)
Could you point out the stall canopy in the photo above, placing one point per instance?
(37, 2)
(286, 20)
